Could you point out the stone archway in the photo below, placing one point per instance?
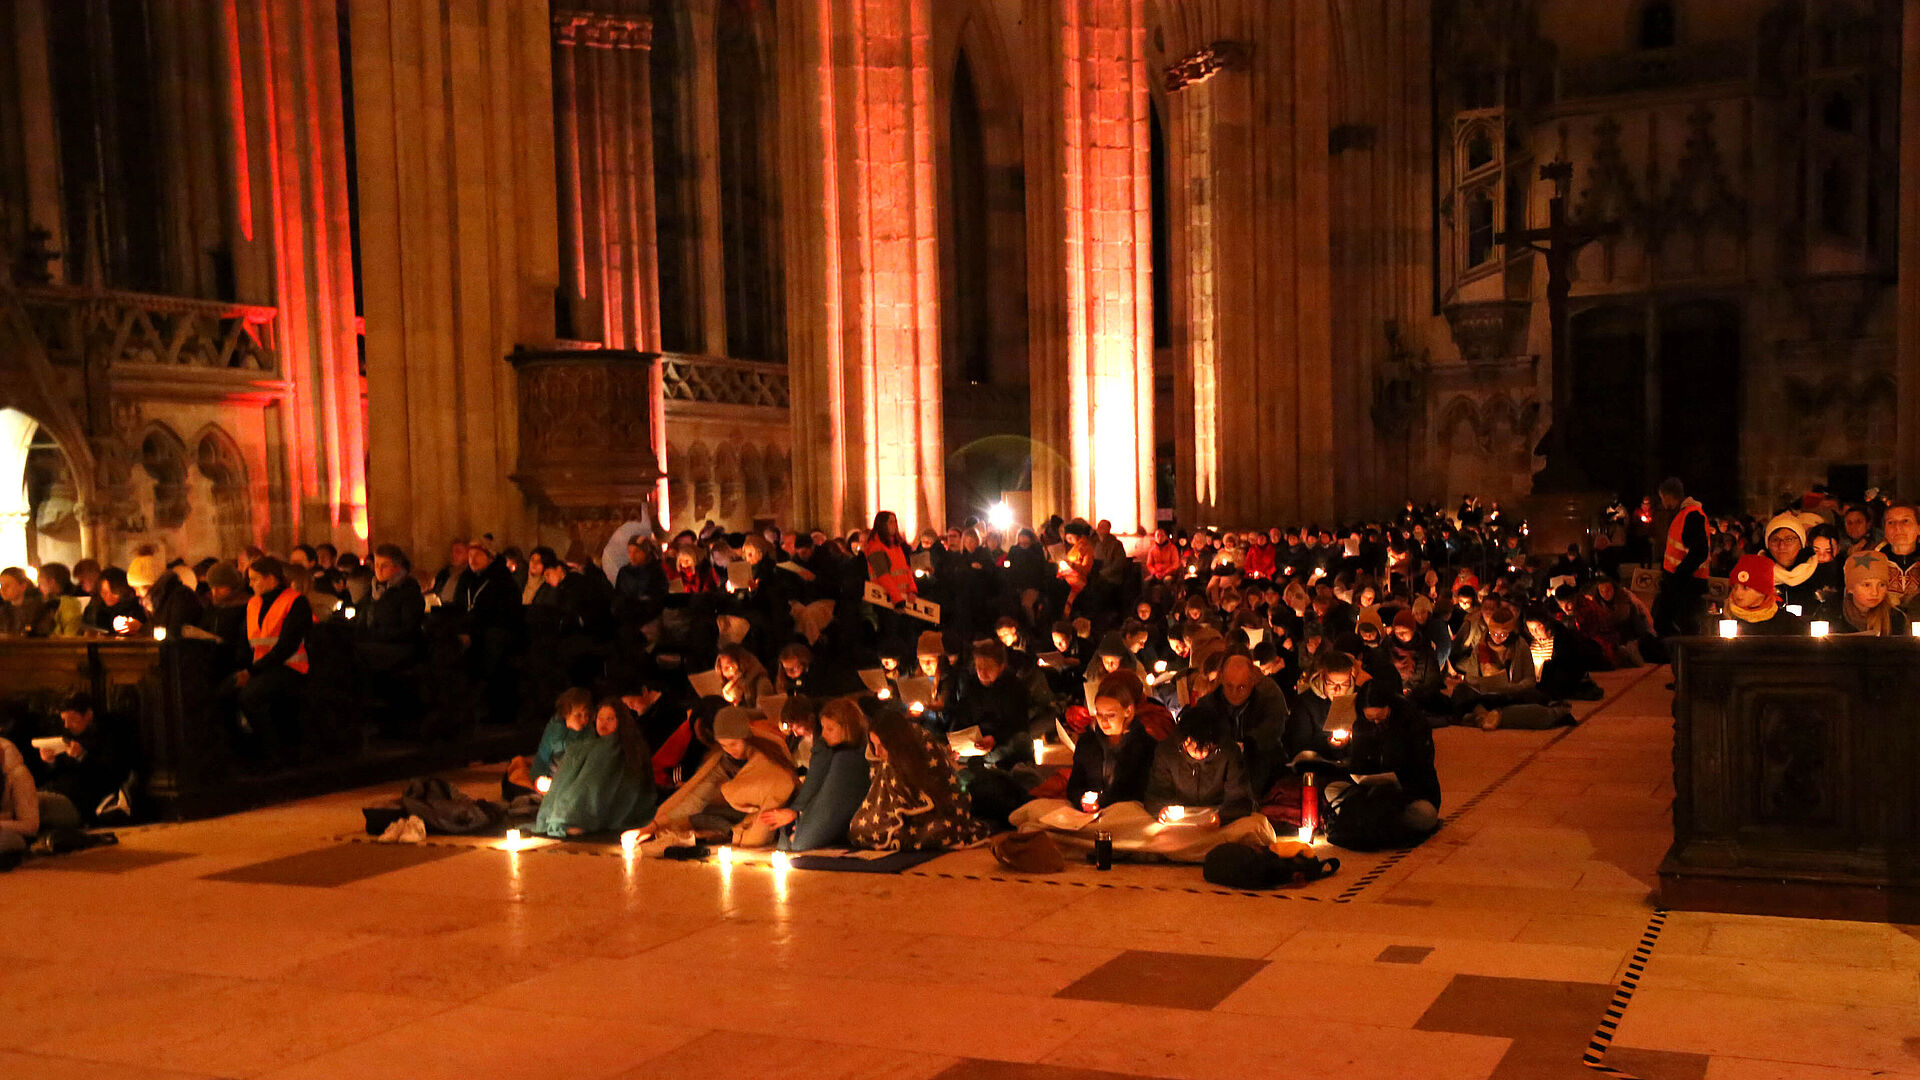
(41, 505)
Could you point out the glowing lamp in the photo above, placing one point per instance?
(121, 624)
(1174, 813)
(543, 784)
(159, 633)
(917, 708)
(1000, 516)
(724, 855)
(1089, 802)
(513, 838)
(781, 861)
(1340, 736)
(1819, 628)
(1729, 628)
(1039, 750)
(629, 840)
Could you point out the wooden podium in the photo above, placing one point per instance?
(1797, 772)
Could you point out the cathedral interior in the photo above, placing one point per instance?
(287, 271)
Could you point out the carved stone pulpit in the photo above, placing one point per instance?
(588, 423)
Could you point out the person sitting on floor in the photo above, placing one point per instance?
(19, 805)
(94, 762)
(836, 783)
(1867, 607)
(749, 774)
(913, 800)
(997, 704)
(1494, 683)
(1389, 795)
(572, 715)
(1754, 605)
(604, 780)
(1197, 793)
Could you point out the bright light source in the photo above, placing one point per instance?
(1039, 750)
(159, 633)
(33, 575)
(1063, 566)
(1159, 666)
(347, 612)
(543, 784)
(884, 694)
(1306, 834)
(725, 856)
(513, 838)
(1174, 813)
(629, 840)
(1000, 516)
(1819, 628)
(1794, 609)
(781, 861)
(1729, 628)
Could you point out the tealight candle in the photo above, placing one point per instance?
(543, 784)
(916, 708)
(884, 694)
(629, 840)
(1729, 628)
(1039, 750)
(513, 838)
(1794, 609)
(1159, 667)
(1306, 834)
(347, 612)
(781, 861)
(1089, 802)
(1339, 735)
(159, 633)
(1916, 629)
(1819, 628)
(1063, 566)
(1174, 813)
(725, 855)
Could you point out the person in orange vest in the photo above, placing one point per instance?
(1679, 604)
(273, 685)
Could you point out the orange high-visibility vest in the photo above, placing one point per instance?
(264, 634)
(1676, 548)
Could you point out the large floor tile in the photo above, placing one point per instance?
(730, 1055)
(1166, 980)
(1857, 1036)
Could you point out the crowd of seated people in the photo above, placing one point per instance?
(744, 689)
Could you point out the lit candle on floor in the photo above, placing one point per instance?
(513, 838)
(724, 855)
(629, 840)
(1306, 834)
(1819, 628)
(1729, 628)
(782, 862)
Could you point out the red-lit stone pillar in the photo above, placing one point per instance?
(603, 104)
(864, 311)
(1906, 462)
(1092, 245)
(298, 57)
(1248, 194)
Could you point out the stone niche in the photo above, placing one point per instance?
(587, 421)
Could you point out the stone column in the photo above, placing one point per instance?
(704, 107)
(297, 52)
(863, 275)
(1907, 310)
(453, 106)
(603, 101)
(1091, 250)
(1247, 146)
(32, 95)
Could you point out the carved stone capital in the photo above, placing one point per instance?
(1205, 63)
(595, 30)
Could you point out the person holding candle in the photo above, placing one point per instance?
(603, 779)
(749, 773)
(1388, 792)
(1867, 606)
(836, 784)
(742, 680)
(1753, 604)
(171, 602)
(115, 609)
(573, 714)
(1198, 794)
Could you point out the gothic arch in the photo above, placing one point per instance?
(163, 457)
(700, 476)
(218, 459)
(728, 483)
(753, 471)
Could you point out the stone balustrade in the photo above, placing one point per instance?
(75, 325)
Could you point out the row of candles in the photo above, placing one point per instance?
(1730, 628)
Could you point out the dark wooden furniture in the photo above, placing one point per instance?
(1795, 767)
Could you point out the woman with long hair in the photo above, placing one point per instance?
(604, 782)
(914, 801)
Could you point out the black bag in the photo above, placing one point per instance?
(447, 809)
(1239, 866)
(1368, 818)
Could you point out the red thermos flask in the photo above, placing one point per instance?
(1310, 805)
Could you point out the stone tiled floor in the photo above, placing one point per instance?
(262, 945)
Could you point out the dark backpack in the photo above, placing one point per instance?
(447, 809)
(1239, 866)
